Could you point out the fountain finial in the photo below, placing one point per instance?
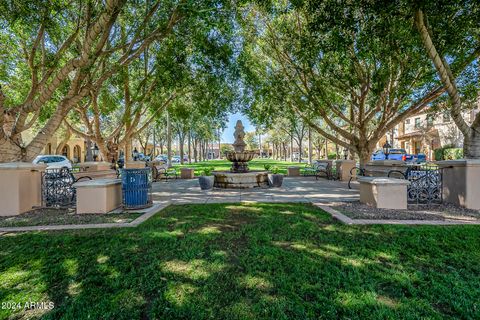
(239, 135)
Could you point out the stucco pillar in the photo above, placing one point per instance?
(343, 169)
(20, 187)
(461, 182)
(386, 193)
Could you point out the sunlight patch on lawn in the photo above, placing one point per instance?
(331, 247)
(74, 288)
(178, 293)
(102, 258)
(255, 282)
(70, 266)
(245, 207)
(166, 234)
(209, 230)
(13, 276)
(197, 269)
(360, 300)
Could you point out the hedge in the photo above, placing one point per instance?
(448, 153)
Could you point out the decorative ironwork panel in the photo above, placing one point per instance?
(425, 183)
(57, 188)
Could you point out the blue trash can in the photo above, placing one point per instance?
(136, 188)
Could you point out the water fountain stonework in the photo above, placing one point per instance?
(239, 176)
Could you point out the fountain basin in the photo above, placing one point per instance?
(244, 180)
(243, 156)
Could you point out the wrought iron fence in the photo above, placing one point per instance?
(425, 183)
(57, 188)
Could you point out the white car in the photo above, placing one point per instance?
(53, 161)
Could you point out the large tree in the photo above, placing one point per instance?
(57, 53)
(450, 33)
(356, 66)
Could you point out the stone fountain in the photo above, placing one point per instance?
(240, 177)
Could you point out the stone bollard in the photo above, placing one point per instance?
(135, 165)
(20, 187)
(95, 166)
(98, 196)
(461, 182)
(343, 169)
(187, 173)
(293, 171)
(386, 193)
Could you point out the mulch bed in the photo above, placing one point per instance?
(53, 216)
(357, 210)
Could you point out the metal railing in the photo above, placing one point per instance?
(425, 183)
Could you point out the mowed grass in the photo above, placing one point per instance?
(224, 165)
(245, 261)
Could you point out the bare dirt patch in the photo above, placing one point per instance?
(53, 216)
(444, 212)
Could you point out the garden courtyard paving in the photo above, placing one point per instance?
(294, 189)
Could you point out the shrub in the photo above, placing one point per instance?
(448, 153)
(332, 156)
(208, 171)
(453, 153)
(275, 169)
(267, 166)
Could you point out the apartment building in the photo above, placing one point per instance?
(425, 131)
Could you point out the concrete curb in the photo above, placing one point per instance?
(160, 206)
(347, 220)
(147, 215)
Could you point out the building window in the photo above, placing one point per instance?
(446, 117)
(407, 121)
(417, 123)
(430, 120)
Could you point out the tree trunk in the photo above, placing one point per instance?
(300, 143)
(291, 148)
(169, 141)
(471, 144)
(195, 150)
(310, 145)
(189, 147)
(181, 140)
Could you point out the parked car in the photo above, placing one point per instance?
(161, 158)
(143, 157)
(53, 161)
(176, 159)
(416, 158)
(399, 154)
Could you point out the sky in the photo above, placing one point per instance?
(227, 135)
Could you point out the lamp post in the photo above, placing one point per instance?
(135, 154)
(386, 149)
(345, 153)
(95, 152)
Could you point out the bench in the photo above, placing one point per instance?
(318, 169)
(160, 172)
(98, 196)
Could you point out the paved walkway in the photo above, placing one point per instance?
(301, 189)
(320, 192)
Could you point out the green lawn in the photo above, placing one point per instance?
(245, 261)
(255, 164)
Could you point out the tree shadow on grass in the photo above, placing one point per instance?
(253, 261)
